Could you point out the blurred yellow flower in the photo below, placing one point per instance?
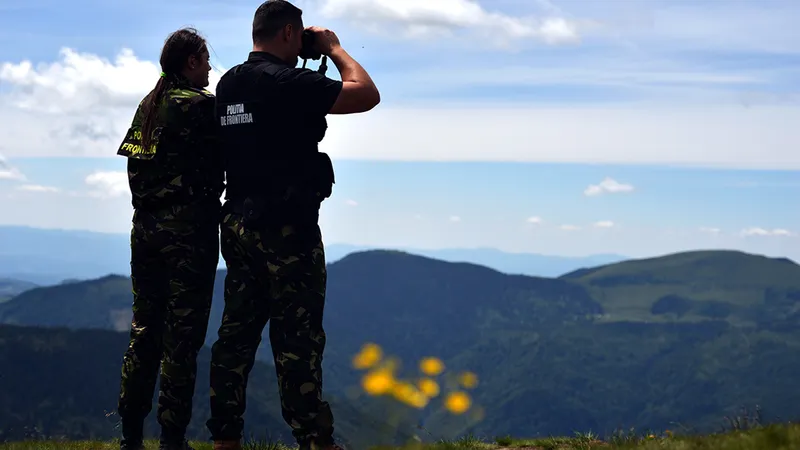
(406, 393)
(428, 387)
(457, 402)
(431, 366)
(417, 400)
(468, 379)
(369, 355)
(377, 382)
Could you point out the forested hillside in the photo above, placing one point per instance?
(595, 350)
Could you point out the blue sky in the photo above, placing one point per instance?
(493, 112)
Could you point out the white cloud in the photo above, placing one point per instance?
(570, 227)
(534, 220)
(37, 188)
(351, 202)
(80, 104)
(84, 81)
(710, 230)
(604, 224)
(455, 219)
(758, 231)
(8, 172)
(11, 174)
(425, 19)
(614, 74)
(755, 138)
(108, 184)
(608, 185)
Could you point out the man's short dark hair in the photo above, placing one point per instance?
(272, 16)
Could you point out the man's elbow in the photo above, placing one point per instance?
(372, 99)
(356, 99)
(369, 99)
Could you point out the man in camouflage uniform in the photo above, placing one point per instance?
(276, 274)
(176, 186)
(272, 118)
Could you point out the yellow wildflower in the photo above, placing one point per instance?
(431, 366)
(369, 355)
(418, 400)
(406, 393)
(457, 402)
(377, 382)
(428, 387)
(468, 379)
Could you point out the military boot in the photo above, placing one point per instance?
(183, 446)
(227, 445)
(131, 445)
(132, 434)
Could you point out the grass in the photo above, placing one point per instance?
(770, 437)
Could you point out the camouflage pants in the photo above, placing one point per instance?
(275, 275)
(173, 266)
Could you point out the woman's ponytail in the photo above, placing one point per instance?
(150, 110)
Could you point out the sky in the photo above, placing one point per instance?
(566, 127)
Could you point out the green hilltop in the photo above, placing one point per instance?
(739, 287)
(772, 437)
(675, 343)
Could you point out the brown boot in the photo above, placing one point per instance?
(227, 445)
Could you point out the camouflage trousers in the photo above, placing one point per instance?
(173, 266)
(275, 275)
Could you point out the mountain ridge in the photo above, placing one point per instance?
(622, 276)
(433, 287)
(49, 256)
(706, 256)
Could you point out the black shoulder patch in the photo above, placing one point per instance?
(131, 146)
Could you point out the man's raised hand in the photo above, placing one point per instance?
(325, 40)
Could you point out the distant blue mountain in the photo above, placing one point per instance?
(46, 256)
(511, 263)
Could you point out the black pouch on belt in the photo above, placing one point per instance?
(324, 175)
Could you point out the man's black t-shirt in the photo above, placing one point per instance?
(271, 117)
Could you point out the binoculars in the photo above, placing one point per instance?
(307, 50)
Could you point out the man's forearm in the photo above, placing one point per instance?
(349, 69)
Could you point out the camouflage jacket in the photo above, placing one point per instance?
(183, 166)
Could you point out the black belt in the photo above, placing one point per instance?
(180, 211)
(266, 212)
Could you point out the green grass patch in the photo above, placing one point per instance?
(771, 437)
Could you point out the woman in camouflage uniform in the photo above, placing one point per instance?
(176, 179)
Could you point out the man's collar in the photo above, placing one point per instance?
(265, 56)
